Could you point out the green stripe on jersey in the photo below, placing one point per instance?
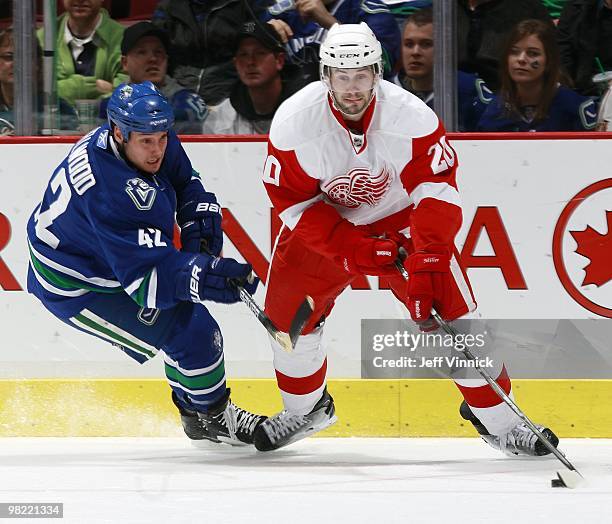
(204, 381)
(65, 282)
(115, 336)
(141, 294)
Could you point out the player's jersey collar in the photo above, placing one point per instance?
(358, 141)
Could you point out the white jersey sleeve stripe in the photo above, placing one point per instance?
(438, 190)
(291, 216)
(55, 290)
(134, 286)
(152, 291)
(102, 282)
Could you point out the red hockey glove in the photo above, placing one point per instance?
(371, 256)
(422, 269)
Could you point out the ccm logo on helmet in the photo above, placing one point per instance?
(349, 55)
(163, 121)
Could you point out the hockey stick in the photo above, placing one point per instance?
(569, 478)
(286, 340)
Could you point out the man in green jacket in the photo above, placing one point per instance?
(88, 47)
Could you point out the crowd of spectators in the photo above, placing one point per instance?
(226, 65)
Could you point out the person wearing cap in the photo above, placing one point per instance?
(144, 56)
(203, 37)
(88, 56)
(263, 84)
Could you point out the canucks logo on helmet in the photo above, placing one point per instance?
(126, 92)
(141, 108)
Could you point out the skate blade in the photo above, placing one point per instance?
(232, 442)
(204, 444)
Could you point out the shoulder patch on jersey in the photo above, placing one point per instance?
(102, 139)
(142, 194)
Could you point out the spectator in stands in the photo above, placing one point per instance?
(585, 41)
(260, 61)
(531, 98)
(68, 120)
(417, 75)
(144, 56)
(88, 52)
(482, 27)
(203, 35)
(304, 26)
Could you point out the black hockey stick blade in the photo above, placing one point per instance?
(301, 318)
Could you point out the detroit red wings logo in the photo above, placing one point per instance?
(359, 187)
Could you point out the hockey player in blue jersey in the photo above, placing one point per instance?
(102, 258)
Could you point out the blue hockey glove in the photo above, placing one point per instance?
(200, 221)
(216, 279)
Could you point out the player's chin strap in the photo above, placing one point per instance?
(576, 476)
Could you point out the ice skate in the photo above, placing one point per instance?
(284, 428)
(518, 441)
(223, 422)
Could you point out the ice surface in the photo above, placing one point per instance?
(315, 481)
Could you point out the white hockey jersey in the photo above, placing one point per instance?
(399, 175)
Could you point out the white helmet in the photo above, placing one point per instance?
(350, 46)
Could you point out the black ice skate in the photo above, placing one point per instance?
(223, 422)
(518, 441)
(284, 428)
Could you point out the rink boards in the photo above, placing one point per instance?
(523, 198)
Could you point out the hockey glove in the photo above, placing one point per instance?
(216, 279)
(371, 256)
(425, 283)
(201, 222)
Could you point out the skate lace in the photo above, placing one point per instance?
(237, 419)
(246, 421)
(522, 438)
(283, 424)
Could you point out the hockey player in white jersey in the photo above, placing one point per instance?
(359, 169)
(102, 257)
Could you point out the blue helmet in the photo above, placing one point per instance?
(139, 107)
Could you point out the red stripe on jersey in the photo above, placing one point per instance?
(302, 385)
(484, 396)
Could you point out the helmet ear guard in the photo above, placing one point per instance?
(139, 107)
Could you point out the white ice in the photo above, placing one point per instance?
(322, 480)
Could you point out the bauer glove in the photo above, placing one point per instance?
(217, 279)
(200, 221)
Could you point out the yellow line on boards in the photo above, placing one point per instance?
(365, 408)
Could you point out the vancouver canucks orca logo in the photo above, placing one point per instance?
(141, 193)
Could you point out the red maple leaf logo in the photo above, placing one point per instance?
(597, 247)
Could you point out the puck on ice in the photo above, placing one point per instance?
(557, 483)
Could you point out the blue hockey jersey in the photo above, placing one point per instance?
(568, 111)
(303, 47)
(105, 227)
